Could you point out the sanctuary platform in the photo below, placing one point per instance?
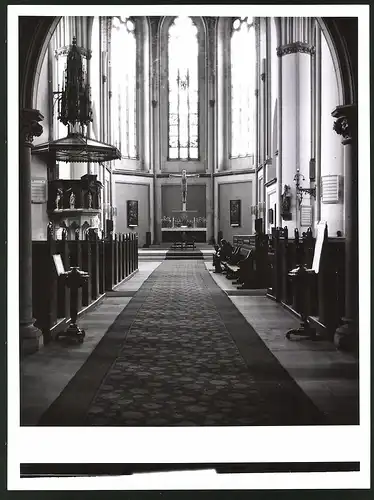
(159, 252)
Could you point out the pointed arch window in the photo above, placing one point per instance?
(183, 92)
(123, 86)
(243, 80)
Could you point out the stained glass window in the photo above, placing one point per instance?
(183, 90)
(123, 86)
(243, 74)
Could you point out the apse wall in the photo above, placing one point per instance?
(196, 200)
(141, 192)
(235, 191)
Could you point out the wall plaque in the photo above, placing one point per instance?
(38, 191)
(132, 213)
(305, 215)
(330, 188)
(235, 213)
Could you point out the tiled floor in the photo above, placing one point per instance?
(327, 376)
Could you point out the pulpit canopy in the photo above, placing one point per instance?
(77, 148)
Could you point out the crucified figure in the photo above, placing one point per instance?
(184, 176)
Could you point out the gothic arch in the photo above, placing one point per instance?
(344, 54)
(38, 31)
(166, 22)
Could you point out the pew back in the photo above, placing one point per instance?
(107, 261)
(325, 291)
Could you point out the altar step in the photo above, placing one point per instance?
(158, 254)
(184, 255)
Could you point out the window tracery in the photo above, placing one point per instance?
(123, 86)
(243, 78)
(183, 92)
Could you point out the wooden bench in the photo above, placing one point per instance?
(190, 244)
(177, 244)
(254, 272)
(241, 272)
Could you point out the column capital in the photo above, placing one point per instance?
(293, 48)
(346, 122)
(29, 125)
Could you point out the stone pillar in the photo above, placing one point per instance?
(155, 127)
(30, 336)
(278, 152)
(346, 336)
(295, 50)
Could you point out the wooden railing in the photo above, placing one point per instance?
(108, 262)
(324, 292)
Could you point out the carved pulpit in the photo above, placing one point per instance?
(75, 204)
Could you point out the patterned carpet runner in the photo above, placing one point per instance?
(181, 354)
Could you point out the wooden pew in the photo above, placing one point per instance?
(242, 271)
(254, 269)
(106, 261)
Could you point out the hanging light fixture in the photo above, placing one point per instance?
(300, 190)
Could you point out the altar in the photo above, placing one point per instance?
(183, 225)
(172, 234)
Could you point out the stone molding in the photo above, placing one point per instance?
(30, 126)
(293, 48)
(346, 122)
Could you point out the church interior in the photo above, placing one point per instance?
(188, 243)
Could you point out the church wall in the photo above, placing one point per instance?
(331, 148)
(130, 191)
(196, 200)
(241, 190)
(39, 216)
(43, 101)
(278, 127)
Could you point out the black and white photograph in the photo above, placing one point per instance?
(193, 284)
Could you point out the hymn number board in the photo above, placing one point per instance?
(38, 191)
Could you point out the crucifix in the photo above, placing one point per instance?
(184, 176)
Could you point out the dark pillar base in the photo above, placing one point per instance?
(31, 339)
(346, 336)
